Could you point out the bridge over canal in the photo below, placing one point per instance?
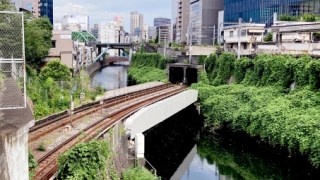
(124, 54)
(137, 110)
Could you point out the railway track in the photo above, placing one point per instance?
(48, 164)
(59, 120)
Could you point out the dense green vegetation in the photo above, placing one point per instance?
(302, 18)
(268, 37)
(5, 5)
(86, 161)
(32, 163)
(38, 33)
(147, 67)
(260, 103)
(51, 90)
(147, 74)
(138, 173)
(95, 160)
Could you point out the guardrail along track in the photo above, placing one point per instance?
(48, 164)
(59, 120)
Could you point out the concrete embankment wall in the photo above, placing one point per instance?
(154, 114)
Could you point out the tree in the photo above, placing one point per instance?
(5, 5)
(268, 37)
(38, 33)
(309, 18)
(56, 70)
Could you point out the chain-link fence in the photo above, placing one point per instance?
(12, 61)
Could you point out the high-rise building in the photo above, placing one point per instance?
(136, 25)
(161, 22)
(181, 21)
(46, 9)
(152, 33)
(164, 33)
(95, 31)
(261, 11)
(204, 21)
(111, 32)
(75, 23)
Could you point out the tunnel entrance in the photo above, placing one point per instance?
(176, 75)
(191, 76)
(183, 73)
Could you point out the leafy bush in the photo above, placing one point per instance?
(224, 68)
(309, 17)
(147, 67)
(241, 68)
(138, 173)
(56, 70)
(147, 74)
(286, 17)
(32, 163)
(201, 59)
(38, 33)
(268, 37)
(149, 60)
(85, 161)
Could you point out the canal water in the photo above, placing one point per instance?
(179, 148)
(111, 77)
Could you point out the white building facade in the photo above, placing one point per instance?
(75, 23)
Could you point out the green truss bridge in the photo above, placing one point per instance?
(84, 37)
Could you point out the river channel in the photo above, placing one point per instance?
(180, 148)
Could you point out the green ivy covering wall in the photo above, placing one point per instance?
(147, 67)
(260, 101)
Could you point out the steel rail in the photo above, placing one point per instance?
(48, 164)
(60, 121)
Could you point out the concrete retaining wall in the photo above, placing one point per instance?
(154, 114)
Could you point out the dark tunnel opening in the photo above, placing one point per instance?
(176, 75)
(192, 76)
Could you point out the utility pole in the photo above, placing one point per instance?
(165, 45)
(190, 42)
(119, 39)
(239, 34)
(159, 35)
(214, 35)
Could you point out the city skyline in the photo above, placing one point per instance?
(102, 11)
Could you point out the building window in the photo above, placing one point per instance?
(245, 46)
(243, 32)
(53, 44)
(231, 33)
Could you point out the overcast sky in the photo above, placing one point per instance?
(104, 10)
